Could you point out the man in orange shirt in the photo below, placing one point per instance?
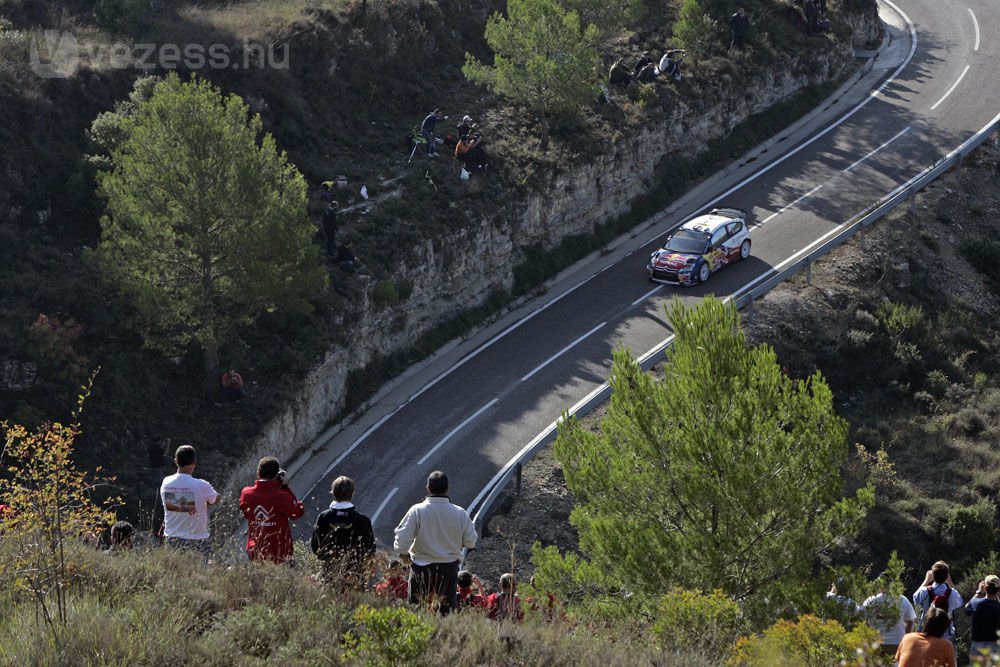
(927, 648)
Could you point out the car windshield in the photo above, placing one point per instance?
(686, 240)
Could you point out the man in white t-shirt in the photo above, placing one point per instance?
(892, 615)
(185, 505)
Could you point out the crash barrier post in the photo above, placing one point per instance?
(517, 482)
(481, 506)
(913, 204)
(809, 271)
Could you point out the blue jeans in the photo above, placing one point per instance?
(204, 547)
(429, 136)
(983, 650)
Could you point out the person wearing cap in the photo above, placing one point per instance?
(984, 609)
(465, 127)
(892, 615)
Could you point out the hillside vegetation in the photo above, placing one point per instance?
(360, 76)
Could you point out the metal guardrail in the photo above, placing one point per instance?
(481, 507)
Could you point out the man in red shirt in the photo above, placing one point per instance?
(268, 506)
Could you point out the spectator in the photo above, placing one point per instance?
(330, 228)
(670, 63)
(740, 25)
(892, 615)
(984, 609)
(232, 386)
(431, 536)
(470, 153)
(505, 605)
(647, 74)
(928, 648)
(122, 537)
(642, 61)
(550, 601)
(343, 538)
(326, 192)
(396, 584)
(812, 13)
(465, 127)
(345, 258)
(157, 450)
(467, 599)
(268, 506)
(938, 591)
(427, 130)
(620, 74)
(185, 504)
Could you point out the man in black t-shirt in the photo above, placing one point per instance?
(984, 609)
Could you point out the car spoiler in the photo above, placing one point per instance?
(736, 213)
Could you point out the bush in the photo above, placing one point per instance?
(808, 642)
(387, 636)
(708, 623)
(385, 295)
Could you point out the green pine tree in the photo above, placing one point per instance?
(206, 223)
(542, 59)
(724, 474)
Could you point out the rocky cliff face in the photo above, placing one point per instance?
(461, 271)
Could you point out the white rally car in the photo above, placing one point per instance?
(700, 247)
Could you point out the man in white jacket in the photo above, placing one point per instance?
(431, 537)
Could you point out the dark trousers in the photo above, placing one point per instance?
(435, 583)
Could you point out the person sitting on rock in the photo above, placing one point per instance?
(232, 386)
(620, 74)
(647, 74)
(471, 154)
(670, 63)
(465, 127)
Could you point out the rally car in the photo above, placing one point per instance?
(700, 247)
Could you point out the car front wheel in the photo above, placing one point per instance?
(704, 272)
(745, 249)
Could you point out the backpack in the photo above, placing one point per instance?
(939, 601)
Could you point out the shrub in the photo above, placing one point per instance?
(808, 642)
(971, 530)
(709, 623)
(390, 637)
(694, 28)
(385, 295)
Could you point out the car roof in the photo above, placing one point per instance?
(708, 224)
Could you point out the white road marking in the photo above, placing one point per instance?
(952, 89)
(787, 206)
(901, 133)
(564, 350)
(371, 429)
(840, 121)
(456, 430)
(976, 24)
(384, 503)
(647, 295)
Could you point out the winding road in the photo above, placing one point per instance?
(470, 412)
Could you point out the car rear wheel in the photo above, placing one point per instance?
(745, 249)
(704, 272)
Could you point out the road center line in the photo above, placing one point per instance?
(456, 430)
(975, 23)
(384, 503)
(564, 351)
(952, 89)
(787, 206)
(901, 133)
(646, 295)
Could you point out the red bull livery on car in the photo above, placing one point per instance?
(700, 247)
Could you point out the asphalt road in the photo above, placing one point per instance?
(471, 417)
